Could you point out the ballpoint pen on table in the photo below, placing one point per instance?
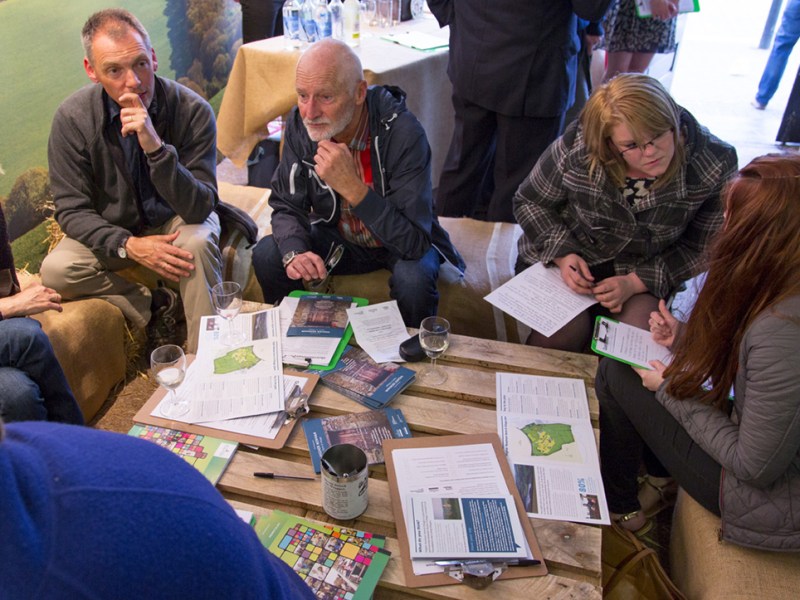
(279, 476)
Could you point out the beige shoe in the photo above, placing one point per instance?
(656, 494)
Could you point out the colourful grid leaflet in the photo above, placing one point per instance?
(334, 562)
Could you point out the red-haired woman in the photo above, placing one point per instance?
(739, 457)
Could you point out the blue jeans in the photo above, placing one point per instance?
(32, 384)
(412, 284)
(785, 39)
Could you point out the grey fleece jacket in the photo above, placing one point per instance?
(758, 446)
(96, 203)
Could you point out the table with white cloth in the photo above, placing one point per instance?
(261, 87)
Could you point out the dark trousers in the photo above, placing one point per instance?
(261, 19)
(489, 156)
(635, 427)
(412, 283)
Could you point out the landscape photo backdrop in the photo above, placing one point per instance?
(42, 63)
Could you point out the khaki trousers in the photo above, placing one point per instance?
(76, 272)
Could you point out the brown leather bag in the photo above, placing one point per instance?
(631, 570)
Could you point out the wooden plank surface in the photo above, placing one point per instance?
(464, 404)
(391, 585)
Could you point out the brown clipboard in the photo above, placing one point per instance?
(144, 416)
(434, 579)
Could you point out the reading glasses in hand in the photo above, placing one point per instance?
(331, 260)
(641, 148)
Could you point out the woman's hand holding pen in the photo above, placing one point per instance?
(575, 273)
(663, 326)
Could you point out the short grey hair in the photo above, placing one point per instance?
(115, 22)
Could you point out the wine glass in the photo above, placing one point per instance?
(434, 337)
(227, 297)
(168, 365)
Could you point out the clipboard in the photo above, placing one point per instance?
(144, 416)
(602, 328)
(643, 10)
(348, 332)
(435, 579)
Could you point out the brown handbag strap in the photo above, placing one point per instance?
(639, 555)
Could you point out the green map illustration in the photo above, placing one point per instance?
(235, 360)
(547, 438)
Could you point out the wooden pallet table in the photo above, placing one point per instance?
(464, 404)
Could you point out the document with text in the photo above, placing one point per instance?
(470, 471)
(627, 343)
(227, 382)
(544, 426)
(539, 298)
(379, 330)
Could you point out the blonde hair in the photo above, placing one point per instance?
(645, 107)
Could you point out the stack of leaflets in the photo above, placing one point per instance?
(320, 316)
(372, 384)
(366, 430)
(333, 561)
(207, 454)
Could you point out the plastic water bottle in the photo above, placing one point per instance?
(291, 24)
(336, 9)
(322, 16)
(352, 18)
(307, 21)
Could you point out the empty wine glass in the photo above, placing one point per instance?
(227, 297)
(434, 337)
(168, 365)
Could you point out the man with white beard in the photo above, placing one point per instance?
(356, 173)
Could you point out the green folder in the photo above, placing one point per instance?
(348, 333)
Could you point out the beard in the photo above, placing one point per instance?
(325, 129)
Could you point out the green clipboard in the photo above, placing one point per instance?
(600, 336)
(348, 333)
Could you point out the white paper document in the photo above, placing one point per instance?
(303, 350)
(447, 472)
(379, 330)
(265, 426)
(544, 425)
(474, 527)
(627, 343)
(539, 298)
(230, 382)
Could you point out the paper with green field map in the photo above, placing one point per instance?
(231, 382)
(544, 425)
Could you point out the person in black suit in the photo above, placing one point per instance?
(513, 67)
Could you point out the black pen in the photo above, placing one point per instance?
(591, 283)
(517, 562)
(278, 476)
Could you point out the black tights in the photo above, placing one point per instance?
(634, 426)
(576, 335)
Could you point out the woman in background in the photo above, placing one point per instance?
(740, 459)
(632, 41)
(623, 204)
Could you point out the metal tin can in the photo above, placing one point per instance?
(345, 476)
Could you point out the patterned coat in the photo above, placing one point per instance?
(563, 210)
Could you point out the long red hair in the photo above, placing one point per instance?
(754, 262)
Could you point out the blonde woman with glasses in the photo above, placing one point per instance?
(623, 204)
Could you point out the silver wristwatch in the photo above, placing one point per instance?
(289, 257)
(121, 251)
